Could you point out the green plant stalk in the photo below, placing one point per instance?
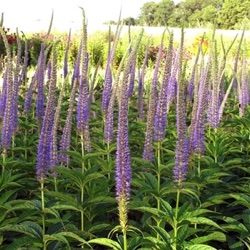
(176, 218)
(43, 211)
(82, 187)
(199, 165)
(125, 242)
(4, 155)
(108, 157)
(26, 142)
(158, 182)
(55, 184)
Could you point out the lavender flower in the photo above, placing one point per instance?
(40, 85)
(16, 84)
(181, 153)
(132, 78)
(65, 67)
(44, 145)
(148, 143)
(53, 152)
(28, 95)
(214, 104)
(3, 93)
(141, 85)
(243, 88)
(123, 162)
(108, 74)
(76, 71)
(109, 119)
(83, 98)
(7, 126)
(160, 122)
(66, 135)
(25, 62)
(197, 129)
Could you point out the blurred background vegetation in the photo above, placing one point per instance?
(227, 14)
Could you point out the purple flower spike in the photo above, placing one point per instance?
(161, 109)
(181, 151)
(46, 135)
(148, 143)
(40, 85)
(65, 140)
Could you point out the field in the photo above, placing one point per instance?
(125, 140)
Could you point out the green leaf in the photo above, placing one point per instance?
(6, 195)
(153, 211)
(246, 218)
(93, 155)
(241, 199)
(203, 220)
(73, 236)
(164, 235)
(75, 155)
(56, 237)
(106, 242)
(215, 236)
(27, 228)
(200, 247)
(26, 241)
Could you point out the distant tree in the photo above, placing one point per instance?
(163, 12)
(129, 21)
(147, 16)
(193, 13)
(233, 12)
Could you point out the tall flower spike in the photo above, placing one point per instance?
(197, 127)
(65, 66)
(190, 87)
(66, 134)
(29, 95)
(123, 163)
(148, 144)
(7, 127)
(40, 85)
(109, 120)
(76, 70)
(141, 85)
(53, 152)
(161, 109)
(17, 81)
(131, 83)
(108, 72)
(243, 88)
(181, 152)
(3, 93)
(214, 104)
(44, 145)
(25, 61)
(83, 97)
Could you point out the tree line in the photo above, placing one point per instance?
(224, 14)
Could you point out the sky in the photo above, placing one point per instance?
(35, 15)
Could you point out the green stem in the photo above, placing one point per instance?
(4, 154)
(158, 182)
(108, 158)
(199, 165)
(55, 184)
(82, 187)
(26, 142)
(43, 210)
(176, 219)
(82, 212)
(125, 244)
(82, 148)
